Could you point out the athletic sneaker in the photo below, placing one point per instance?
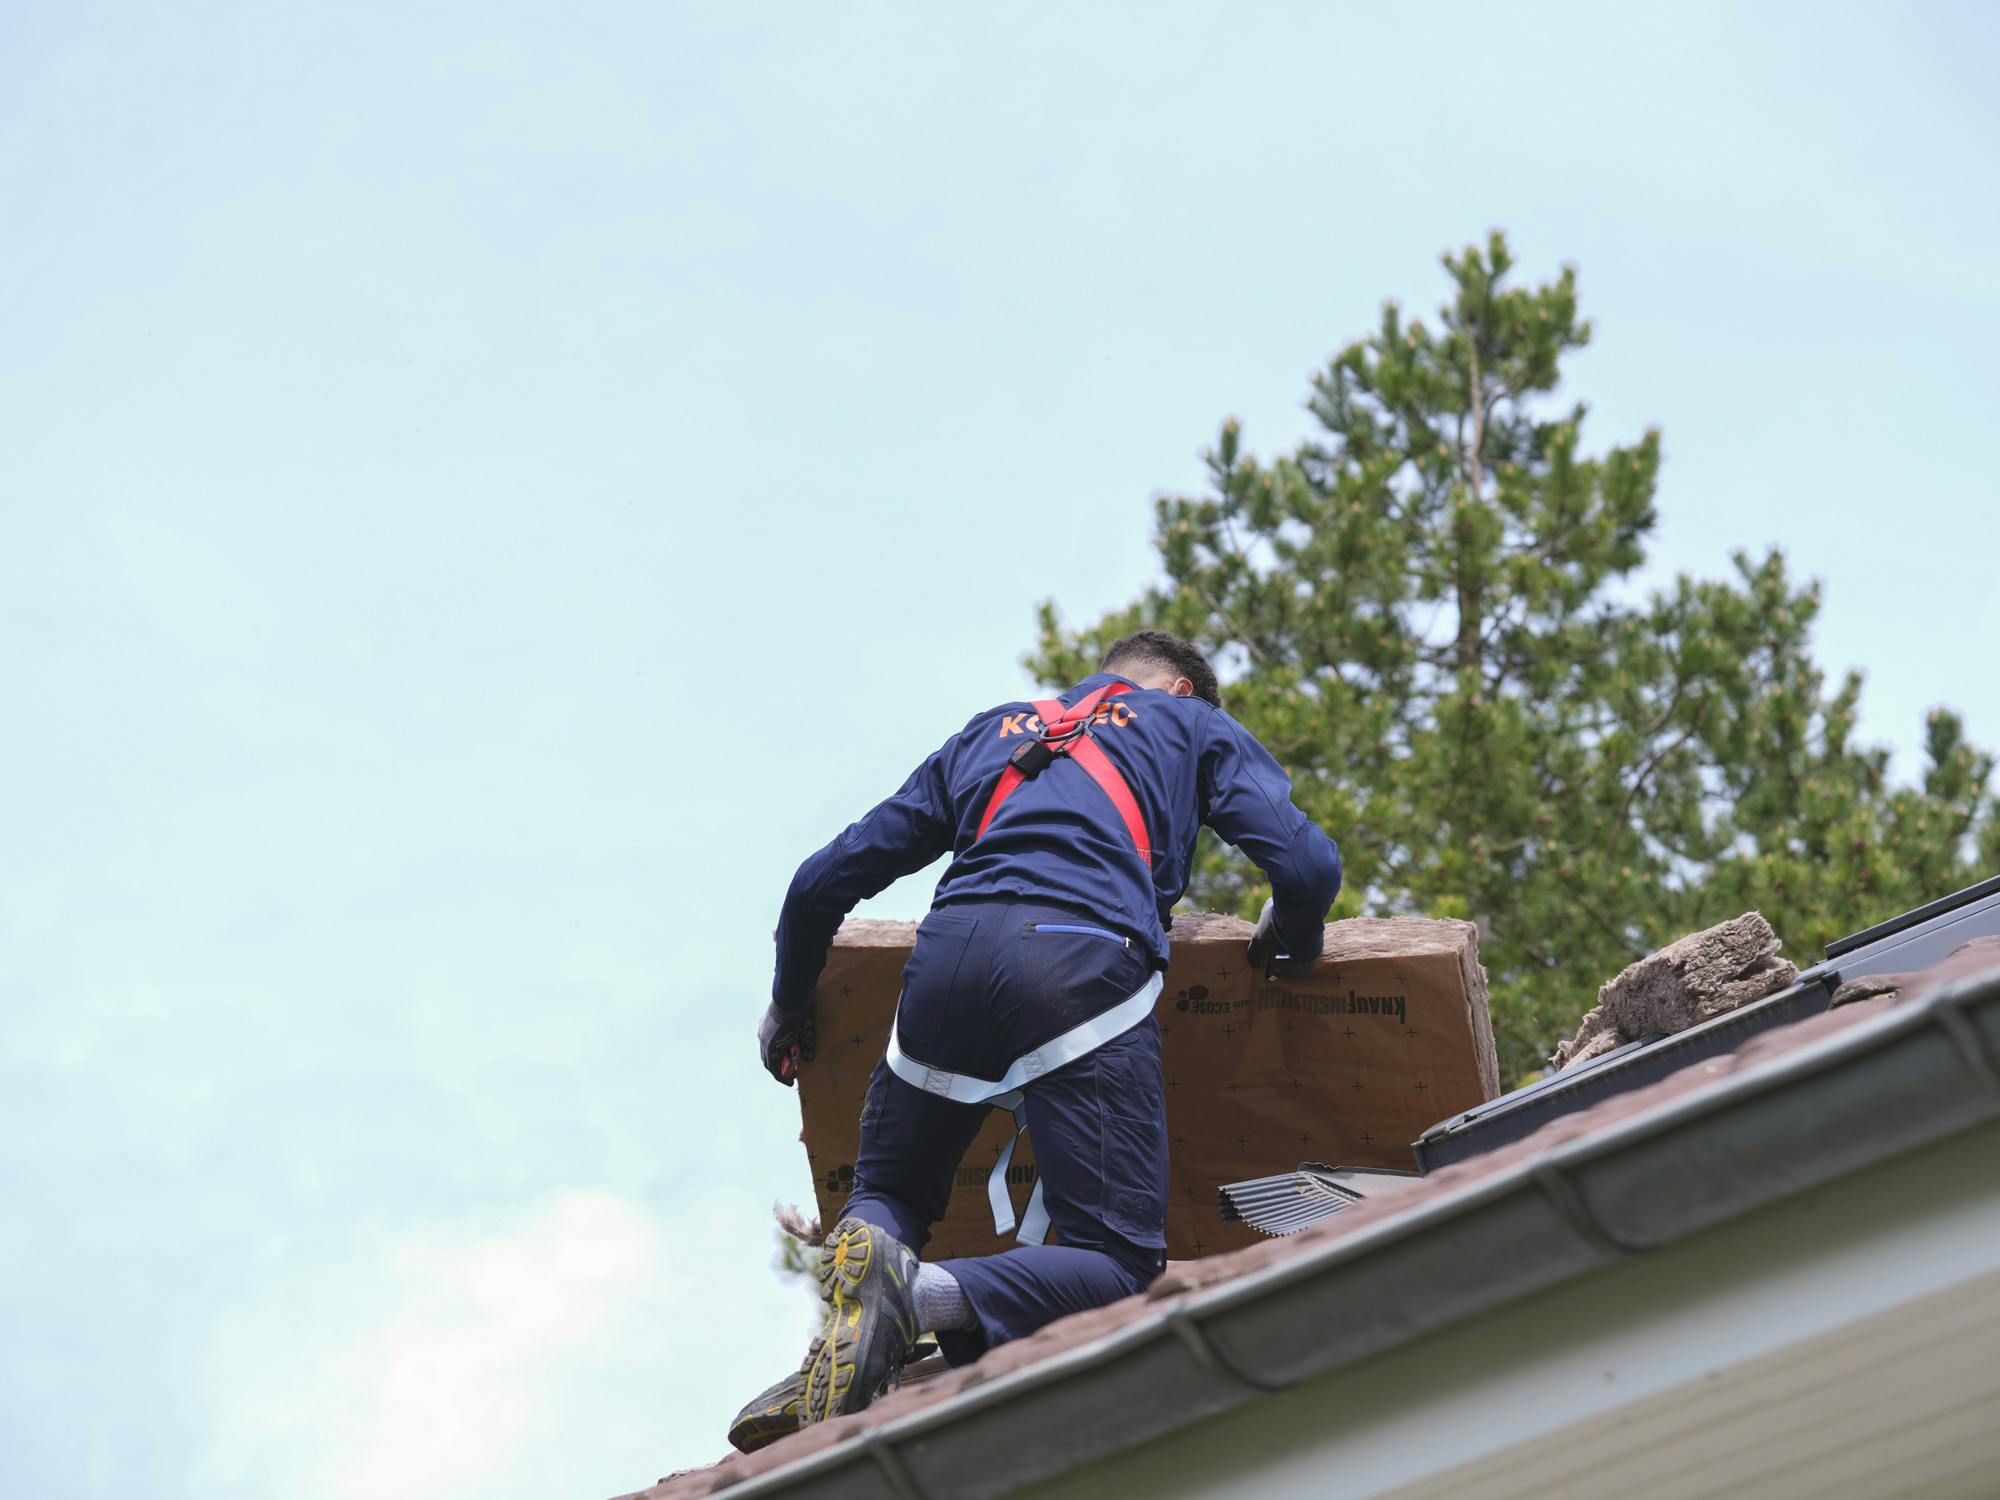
(868, 1278)
(770, 1415)
(774, 1413)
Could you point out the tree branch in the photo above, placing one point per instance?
(1652, 764)
(1234, 629)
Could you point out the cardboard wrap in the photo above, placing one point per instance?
(1388, 1036)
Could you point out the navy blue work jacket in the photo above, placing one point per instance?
(1058, 838)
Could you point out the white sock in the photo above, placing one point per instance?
(941, 1301)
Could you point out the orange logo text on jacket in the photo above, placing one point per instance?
(1117, 714)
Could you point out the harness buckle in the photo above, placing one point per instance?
(1031, 758)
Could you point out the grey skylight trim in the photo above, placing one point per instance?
(1917, 1073)
(1983, 894)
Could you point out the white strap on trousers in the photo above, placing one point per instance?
(1005, 1093)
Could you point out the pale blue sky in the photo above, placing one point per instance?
(485, 489)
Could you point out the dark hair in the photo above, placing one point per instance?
(1146, 651)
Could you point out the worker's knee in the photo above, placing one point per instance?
(1139, 1265)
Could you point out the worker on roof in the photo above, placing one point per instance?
(1072, 825)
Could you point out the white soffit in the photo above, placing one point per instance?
(1904, 1402)
(1824, 1346)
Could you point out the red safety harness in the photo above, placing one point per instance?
(1066, 731)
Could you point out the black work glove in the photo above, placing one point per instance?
(783, 1042)
(1264, 943)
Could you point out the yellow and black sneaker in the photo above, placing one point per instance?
(770, 1415)
(774, 1413)
(867, 1277)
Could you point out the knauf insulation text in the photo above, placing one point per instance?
(1349, 1004)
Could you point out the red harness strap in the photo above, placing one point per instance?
(1087, 753)
(1074, 721)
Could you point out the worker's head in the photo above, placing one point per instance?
(1155, 659)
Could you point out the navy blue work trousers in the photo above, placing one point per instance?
(987, 982)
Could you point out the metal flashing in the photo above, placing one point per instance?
(1290, 1201)
(1513, 1116)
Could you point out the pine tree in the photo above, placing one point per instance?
(1419, 611)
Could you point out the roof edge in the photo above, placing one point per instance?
(1929, 1066)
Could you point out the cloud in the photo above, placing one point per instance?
(582, 1347)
